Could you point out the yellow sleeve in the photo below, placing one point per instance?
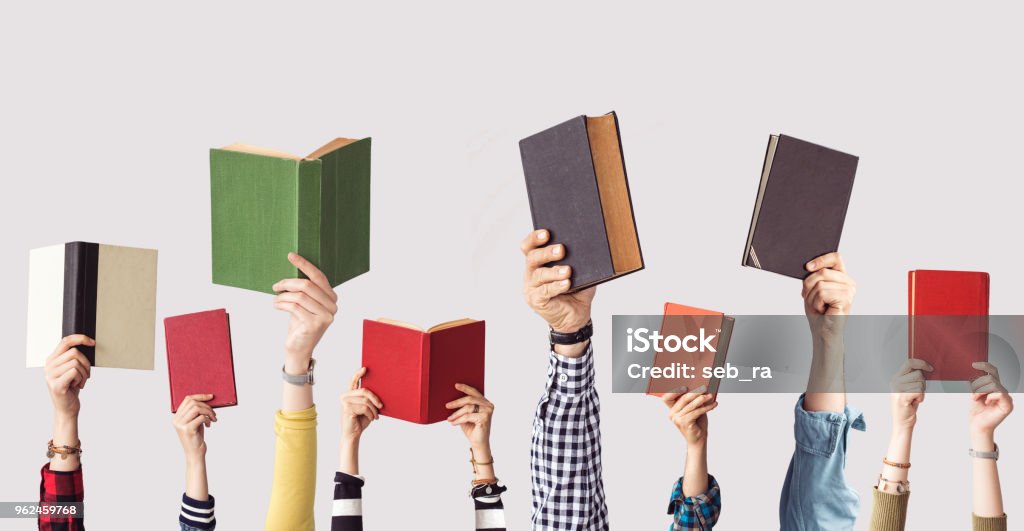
(291, 496)
(888, 511)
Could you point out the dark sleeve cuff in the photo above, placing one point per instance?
(197, 514)
(348, 479)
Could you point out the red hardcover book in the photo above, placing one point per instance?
(949, 321)
(414, 371)
(199, 359)
(683, 322)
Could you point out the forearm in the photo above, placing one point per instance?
(988, 496)
(196, 486)
(65, 433)
(296, 397)
(826, 388)
(898, 452)
(348, 461)
(695, 478)
(482, 454)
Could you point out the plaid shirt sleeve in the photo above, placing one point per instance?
(59, 486)
(565, 455)
(698, 512)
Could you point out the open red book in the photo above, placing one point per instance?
(199, 359)
(949, 321)
(683, 322)
(414, 371)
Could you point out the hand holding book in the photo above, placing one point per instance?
(66, 372)
(359, 407)
(312, 304)
(473, 413)
(546, 289)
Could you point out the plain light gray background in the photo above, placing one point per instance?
(108, 110)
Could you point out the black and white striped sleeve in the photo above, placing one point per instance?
(347, 514)
(490, 513)
(196, 515)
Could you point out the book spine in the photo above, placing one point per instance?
(425, 379)
(80, 267)
(308, 212)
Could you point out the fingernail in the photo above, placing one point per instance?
(810, 265)
(563, 270)
(563, 283)
(542, 235)
(557, 251)
(700, 389)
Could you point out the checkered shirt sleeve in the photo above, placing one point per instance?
(565, 455)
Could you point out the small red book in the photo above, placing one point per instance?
(199, 359)
(696, 323)
(949, 321)
(414, 371)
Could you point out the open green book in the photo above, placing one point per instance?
(266, 203)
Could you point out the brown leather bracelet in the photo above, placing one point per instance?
(886, 461)
(64, 451)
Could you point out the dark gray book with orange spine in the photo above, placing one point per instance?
(578, 190)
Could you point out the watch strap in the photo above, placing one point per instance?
(571, 338)
(300, 379)
(994, 455)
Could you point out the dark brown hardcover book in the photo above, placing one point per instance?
(576, 182)
(800, 207)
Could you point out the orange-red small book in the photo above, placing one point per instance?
(690, 325)
(414, 371)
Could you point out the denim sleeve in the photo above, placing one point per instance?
(816, 495)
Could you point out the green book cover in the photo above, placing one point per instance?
(266, 203)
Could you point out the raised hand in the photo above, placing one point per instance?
(359, 407)
(312, 304)
(828, 290)
(190, 421)
(544, 288)
(473, 413)
(67, 370)
(990, 402)
(907, 393)
(688, 411)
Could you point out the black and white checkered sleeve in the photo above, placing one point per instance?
(565, 456)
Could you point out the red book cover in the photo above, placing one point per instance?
(414, 371)
(949, 321)
(199, 359)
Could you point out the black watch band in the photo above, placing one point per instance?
(571, 338)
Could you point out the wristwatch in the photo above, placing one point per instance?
(300, 379)
(571, 338)
(985, 455)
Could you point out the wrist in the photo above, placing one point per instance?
(569, 327)
(983, 440)
(195, 460)
(297, 364)
(697, 445)
(65, 429)
(481, 452)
